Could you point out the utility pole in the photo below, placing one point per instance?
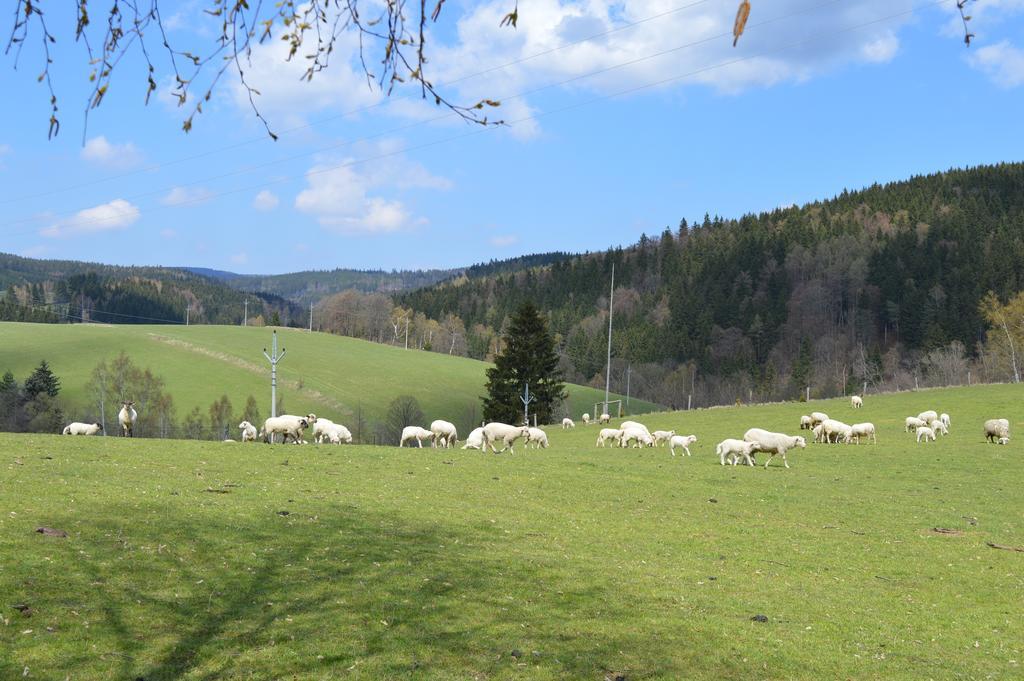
(407, 333)
(188, 308)
(273, 358)
(245, 319)
(629, 370)
(526, 398)
(311, 316)
(608, 367)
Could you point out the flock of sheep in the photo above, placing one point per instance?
(629, 434)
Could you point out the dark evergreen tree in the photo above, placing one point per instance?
(251, 413)
(11, 402)
(528, 356)
(42, 381)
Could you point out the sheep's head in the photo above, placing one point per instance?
(311, 418)
(1004, 440)
(98, 425)
(800, 442)
(244, 424)
(753, 447)
(303, 423)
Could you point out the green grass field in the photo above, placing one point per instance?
(199, 560)
(322, 373)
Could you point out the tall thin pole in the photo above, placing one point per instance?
(188, 308)
(311, 316)
(407, 333)
(245, 319)
(526, 398)
(629, 370)
(608, 368)
(273, 358)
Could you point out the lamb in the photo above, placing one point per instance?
(833, 430)
(505, 434)
(944, 417)
(683, 441)
(817, 417)
(928, 416)
(637, 436)
(538, 437)
(856, 401)
(445, 434)
(78, 428)
(567, 423)
(926, 433)
(818, 431)
(127, 417)
(339, 435)
(415, 433)
(806, 423)
(859, 430)
(997, 430)
(326, 430)
(662, 436)
(606, 434)
(586, 419)
(913, 422)
(287, 426)
(939, 427)
(248, 431)
(604, 418)
(734, 449)
(774, 443)
(475, 439)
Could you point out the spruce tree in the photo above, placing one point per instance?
(528, 357)
(42, 381)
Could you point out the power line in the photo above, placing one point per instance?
(535, 116)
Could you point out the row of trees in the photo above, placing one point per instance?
(32, 406)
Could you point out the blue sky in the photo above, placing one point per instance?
(826, 96)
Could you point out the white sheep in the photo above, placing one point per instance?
(607, 434)
(926, 433)
(626, 425)
(604, 418)
(856, 401)
(248, 431)
(445, 434)
(1003, 441)
(287, 425)
(997, 430)
(475, 439)
(415, 433)
(817, 417)
(127, 417)
(944, 417)
(683, 441)
(339, 435)
(538, 438)
(774, 443)
(911, 423)
(939, 427)
(505, 434)
(734, 449)
(928, 416)
(859, 430)
(568, 423)
(78, 428)
(326, 430)
(639, 438)
(819, 432)
(662, 436)
(806, 423)
(834, 430)
(586, 419)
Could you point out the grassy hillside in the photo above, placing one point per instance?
(192, 560)
(200, 363)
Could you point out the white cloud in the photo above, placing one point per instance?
(504, 240)
(882, 49)
(119, 156)
(348, 200)
(190, 196)
(115, 215)
(1002, 63)
(265, 201)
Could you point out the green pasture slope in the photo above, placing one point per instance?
(204, 560)
(200, 363)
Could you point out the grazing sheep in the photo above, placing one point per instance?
(662, 436)
(774, 443)
(505, 434)
(912, 422)
(248, 431)
(734, 449)
(604, 418)
(538, 437)
(475, 439)
(78, 428)
(626, 425)
(567, 423)
(339, 435)
(859, 430)
(683, 441)
(939, 427)
(127, 417)
(636, 436)
(928, 416)
(606, 434)
(287, 426)
(586, 419)
(856, 401)
(817, 417)
(326, 430)
(944, 417)
(834, 431)
(415, 433)
(926, 433)
(996, 430)
(819, 432)
(445, 434)
(1004, 441)
(806, 423)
